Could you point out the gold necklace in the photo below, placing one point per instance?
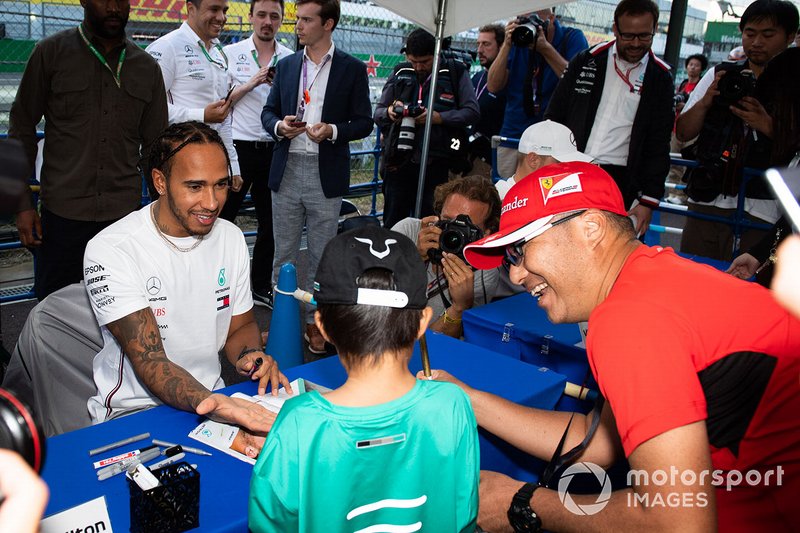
(168, 241)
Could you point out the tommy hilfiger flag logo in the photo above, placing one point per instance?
(224, 302)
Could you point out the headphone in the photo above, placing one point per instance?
(20, 431)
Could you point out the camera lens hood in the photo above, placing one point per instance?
(20, 431)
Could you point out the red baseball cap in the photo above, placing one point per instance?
(531, 204)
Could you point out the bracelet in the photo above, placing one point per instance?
(245, 352)
(449, 320)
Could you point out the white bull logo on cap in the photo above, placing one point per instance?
(379, 255)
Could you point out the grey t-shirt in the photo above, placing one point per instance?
(485, 280)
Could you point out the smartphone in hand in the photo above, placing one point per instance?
(230, 91)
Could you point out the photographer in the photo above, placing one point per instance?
(531, 60)
(401, 113)
(735, 132)
(452, 285)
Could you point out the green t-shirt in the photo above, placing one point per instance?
(413, 461)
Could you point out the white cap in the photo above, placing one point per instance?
(553, 139)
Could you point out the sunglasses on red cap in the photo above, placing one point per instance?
(514, 252)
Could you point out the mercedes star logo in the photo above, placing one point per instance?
(153, 285)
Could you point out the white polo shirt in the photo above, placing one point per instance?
(610, 138)
(194, 77)
(246, 113)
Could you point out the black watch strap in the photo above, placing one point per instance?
(520, 515)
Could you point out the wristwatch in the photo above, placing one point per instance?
(520, 515)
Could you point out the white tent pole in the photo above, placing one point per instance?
(423, 163)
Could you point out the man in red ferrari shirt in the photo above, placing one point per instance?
(700, 372)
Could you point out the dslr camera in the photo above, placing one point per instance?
(409, 112)
(456, 234)
(525, 33)
(734, 86)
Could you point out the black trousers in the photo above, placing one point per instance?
(400, 191)
(255, 158)
(622, 178)
(59, 259)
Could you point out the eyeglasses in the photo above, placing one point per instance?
(515, 252)
(643, 37)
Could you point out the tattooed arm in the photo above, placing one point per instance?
(243, 348)
(137, 334)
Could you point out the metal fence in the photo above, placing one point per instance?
(370, 32)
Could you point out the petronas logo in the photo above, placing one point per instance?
(221, 277)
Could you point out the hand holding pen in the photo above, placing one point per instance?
(266, 371)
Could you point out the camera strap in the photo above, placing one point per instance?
(531, 91)
(558, 459)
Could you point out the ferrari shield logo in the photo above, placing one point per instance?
(547, 183)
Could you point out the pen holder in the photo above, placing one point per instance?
(172, 507)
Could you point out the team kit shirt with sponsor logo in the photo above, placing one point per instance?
(411, 462)
(193, 296)
(194, 77)
(246, 113)
(711, 348)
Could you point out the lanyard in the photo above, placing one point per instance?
(307, 89)
(213, 61)
(116, 75)
(478, 89)
(625, 76)
(274, 57)
(419, 98)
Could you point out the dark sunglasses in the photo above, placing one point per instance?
(515, 252)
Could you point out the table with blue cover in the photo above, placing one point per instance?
(224, 481)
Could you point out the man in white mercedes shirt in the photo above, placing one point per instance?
(170, 287)
(195, 70)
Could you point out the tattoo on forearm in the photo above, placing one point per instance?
(138, 335)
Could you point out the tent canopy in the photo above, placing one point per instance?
(462, 15)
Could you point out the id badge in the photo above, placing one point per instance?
(301, 111)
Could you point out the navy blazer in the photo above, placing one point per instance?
(346, 105)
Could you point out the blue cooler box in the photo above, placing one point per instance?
(519, 328)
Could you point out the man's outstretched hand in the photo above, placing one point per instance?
(237, 411)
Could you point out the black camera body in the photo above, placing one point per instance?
(525, 33)
(456, 234)
(408, 110)
(735, 85)
(680, 98)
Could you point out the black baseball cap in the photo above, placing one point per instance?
(349, 255)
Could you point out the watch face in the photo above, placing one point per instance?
(522, 518)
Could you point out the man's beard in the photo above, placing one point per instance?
(264, 38)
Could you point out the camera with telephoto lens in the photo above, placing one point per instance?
(409, 112)
(456, 234)
(734, 86)
(525, 33)
(20, 430)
